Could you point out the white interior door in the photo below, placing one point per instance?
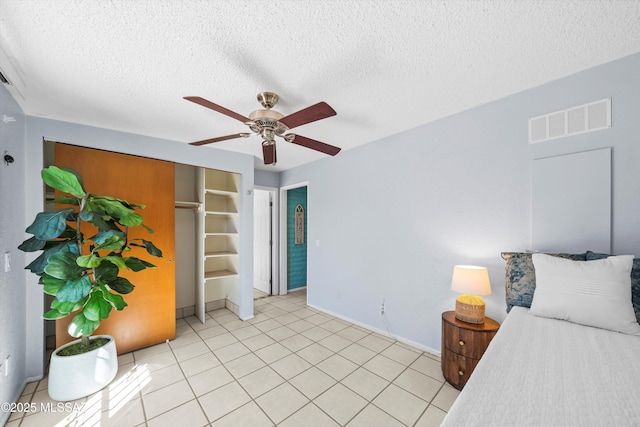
(262, 240)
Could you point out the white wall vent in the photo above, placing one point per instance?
(583, 118)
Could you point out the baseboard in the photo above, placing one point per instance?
(301, 288)
(379, 331)
(4, 415)
(209, 306)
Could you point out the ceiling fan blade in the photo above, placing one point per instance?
(269, 153)
(220, 138)
(218, 108)
(313, 144)
(319, 111)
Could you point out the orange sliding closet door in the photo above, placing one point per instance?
(150, 316)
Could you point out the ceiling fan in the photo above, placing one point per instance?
(268, 124)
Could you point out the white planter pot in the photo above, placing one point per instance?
(73, 377)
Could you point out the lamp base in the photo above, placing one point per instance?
(470, 309)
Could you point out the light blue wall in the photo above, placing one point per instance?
(296, 253)
(267, 178)
(13, 298)
(394, 216)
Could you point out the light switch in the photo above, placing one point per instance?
(7, 262)
(317, 243)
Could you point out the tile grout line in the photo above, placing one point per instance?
(379, 353)
(369, 401)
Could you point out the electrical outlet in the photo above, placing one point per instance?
(382, 307)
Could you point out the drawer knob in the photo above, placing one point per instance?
(461, 373)
(461, 342)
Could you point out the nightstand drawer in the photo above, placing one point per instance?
(466, 342)
(456, 368)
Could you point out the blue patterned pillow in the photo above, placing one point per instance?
(635, 280)
(521, 277)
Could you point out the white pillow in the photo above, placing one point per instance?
(594, 293)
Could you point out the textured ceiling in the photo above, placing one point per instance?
(384, 66)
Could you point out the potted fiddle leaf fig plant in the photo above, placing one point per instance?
(84, 246)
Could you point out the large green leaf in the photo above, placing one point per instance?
(131, 220)
(114, 299)
(121, 285)
(89, 261)
(86, 216)
(117, 260)
(80, 325)
(137, 264)
(74, 290)
(38, 265)
(64, 180)
(96, 219)
(76, 174)
(113, 243)
(151, 248)
(53, 314)
(32, 244)
(124, 202)
(51, 284)
(62, 265)
(66, 200)
(106, 272)
(110, 206)
(49, 225)
(105, 237)
(96, 309)
(67, 307)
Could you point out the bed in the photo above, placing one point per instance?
(540, 370)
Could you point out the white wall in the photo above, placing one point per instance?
(394, 216)
(13, 324)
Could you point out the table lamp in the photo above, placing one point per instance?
(471, 281)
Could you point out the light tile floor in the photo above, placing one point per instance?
(290, 365)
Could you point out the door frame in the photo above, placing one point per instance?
(283, 233)
(275, 241)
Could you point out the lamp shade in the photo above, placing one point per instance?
(470, 279)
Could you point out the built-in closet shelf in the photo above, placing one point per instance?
(222, 213)
(219, 254)
(220, 192)
(218, 225)
(187, 205)
(219, 274)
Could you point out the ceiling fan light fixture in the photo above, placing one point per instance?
(266, 114)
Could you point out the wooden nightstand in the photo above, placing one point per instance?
(463, 344)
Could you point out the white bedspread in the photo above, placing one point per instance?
(545, 372)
